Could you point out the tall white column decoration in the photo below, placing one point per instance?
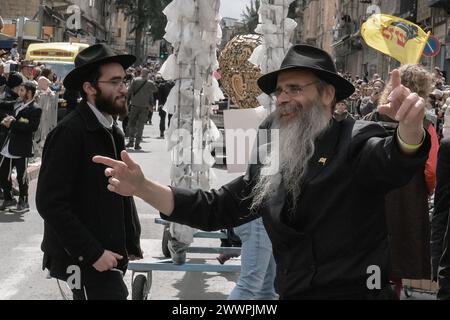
(194, 32)
(277, 30)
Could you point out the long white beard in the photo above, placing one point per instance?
(292, 151)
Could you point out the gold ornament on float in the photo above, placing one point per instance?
(239, 76)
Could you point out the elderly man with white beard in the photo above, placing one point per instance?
(323, 208)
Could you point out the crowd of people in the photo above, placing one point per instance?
(368, 93)
(21, 85)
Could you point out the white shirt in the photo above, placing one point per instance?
(105, 120)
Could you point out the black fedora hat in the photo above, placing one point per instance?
(310, 58)
(90, 58)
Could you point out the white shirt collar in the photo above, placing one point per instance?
(20, 106)
(105, 120)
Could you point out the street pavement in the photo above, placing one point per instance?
(22, 277)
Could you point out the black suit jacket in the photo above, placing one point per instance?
(20, 134)
(440, 237)
(338, 234)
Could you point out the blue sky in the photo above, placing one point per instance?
(233, 8)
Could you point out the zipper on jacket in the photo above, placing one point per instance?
(114, 144)
(117, 157)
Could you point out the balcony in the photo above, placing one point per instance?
(445, 4)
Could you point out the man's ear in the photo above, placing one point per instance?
(329, 94)
(89, 89)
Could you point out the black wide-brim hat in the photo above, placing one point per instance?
(90, 58)
(315, 60)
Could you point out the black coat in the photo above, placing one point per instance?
(440, 236)
(408, 220)
(9, 99)
(82, 218)
(20, 134)
(338, 231)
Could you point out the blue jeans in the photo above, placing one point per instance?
(257, 264)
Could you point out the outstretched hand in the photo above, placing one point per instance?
(125, 177)
(405, 107)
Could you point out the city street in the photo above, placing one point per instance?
(21, 235)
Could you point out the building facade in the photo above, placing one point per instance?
(18, 8)
(334, 25)
(315, 21)
(99, 21)
(230, 28)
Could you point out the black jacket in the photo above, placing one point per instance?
(440, 228)
(20, 134)
(338, 233)
(82, 218)
(10, 98)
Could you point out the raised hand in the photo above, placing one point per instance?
(125, 177)
(407, 108)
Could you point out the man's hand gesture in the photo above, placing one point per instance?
(407, 108)
(125, 177)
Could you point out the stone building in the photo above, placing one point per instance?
(341, 20)
(100, 20)
(316, 22)
(18, 8)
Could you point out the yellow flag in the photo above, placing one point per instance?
(396, 37)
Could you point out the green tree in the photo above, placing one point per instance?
(145, 16)
(250, 17)
(292, 13)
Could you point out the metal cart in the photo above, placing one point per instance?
(142, 271)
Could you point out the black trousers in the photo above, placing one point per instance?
(125, 126)
(169, 117)
(150, 115)
(7, 164)
(108, 285)
(162, 120)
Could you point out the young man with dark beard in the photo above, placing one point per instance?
(89, 234)
(323, 206)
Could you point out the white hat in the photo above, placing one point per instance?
(438, 93)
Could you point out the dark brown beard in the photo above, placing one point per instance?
(108, 104)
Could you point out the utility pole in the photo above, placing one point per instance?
(41, 18)
(20, 26)
(111, 12)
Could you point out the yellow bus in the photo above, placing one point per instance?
(58, 56)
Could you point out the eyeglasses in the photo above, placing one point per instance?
(116, 83)
(292, 90)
